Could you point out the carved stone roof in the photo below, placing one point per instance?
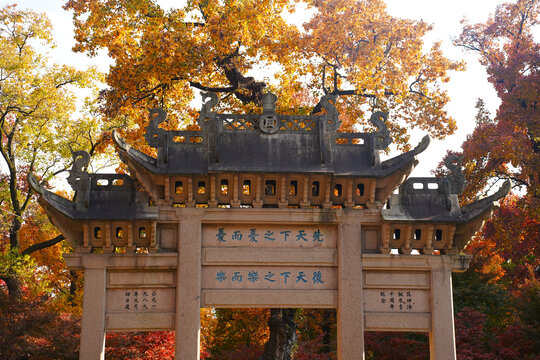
(98, 196)
(436, 199)
(268, 142)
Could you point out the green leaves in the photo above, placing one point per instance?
(37, 131)
(14, 264)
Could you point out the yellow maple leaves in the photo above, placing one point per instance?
(351, 48)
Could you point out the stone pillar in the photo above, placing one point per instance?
(188, 285)
(442, 345)
(93, 316)
(350, 309)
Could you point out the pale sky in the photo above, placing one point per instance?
(445, 16)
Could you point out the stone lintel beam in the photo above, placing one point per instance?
(154, 261)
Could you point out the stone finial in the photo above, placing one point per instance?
(382, 137)
(269, 103)
(206, 112)
(456, 180)
(454, 184)
(78, 177)
(269, 122)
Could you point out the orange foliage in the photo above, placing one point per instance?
(237, 332)
(351, 48)
(508, 246)
(507, 146)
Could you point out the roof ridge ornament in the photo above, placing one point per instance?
(455, 182)
(422, 145)
(382, 137)
(34, 184)
(78, 176)
(269, 103)
(503, 190)
(206, 114)
(154, 133)
(157, 137)
(332, 115)
(268, 121)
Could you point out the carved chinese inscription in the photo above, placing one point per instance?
(397, 300)
(396, 292)
(141, 300)
(136, 300)
(266, 277)
(269, 236)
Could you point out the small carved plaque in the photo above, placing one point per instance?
(140, 300)
(269, 123)
(396, 300)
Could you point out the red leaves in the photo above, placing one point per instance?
(396, 346)
(475, 340)
(157, 345)
(508, 146)
(470, 335)
(32, 328)
(509, 244)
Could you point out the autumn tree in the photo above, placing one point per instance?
(238, 334)
(36, 106)
(507, 146)
(35, 326)
(497, 298)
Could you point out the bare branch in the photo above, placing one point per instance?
(200, 86)
(43, 245)
(67, 82)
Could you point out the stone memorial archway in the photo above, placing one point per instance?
(266, 210)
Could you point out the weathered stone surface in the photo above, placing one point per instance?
(426, 214)
(293, 143)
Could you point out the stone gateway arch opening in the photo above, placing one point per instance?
(266, 210)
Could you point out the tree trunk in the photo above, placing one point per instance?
(13, 286)
(282, 335)
(14, 232)
(74, 276)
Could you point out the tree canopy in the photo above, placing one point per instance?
(240, 49)
(497, 299)
(36, 105)
(508, 145)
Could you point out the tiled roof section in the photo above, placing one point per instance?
(98, 196)
(436, 199)
(268, 142)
